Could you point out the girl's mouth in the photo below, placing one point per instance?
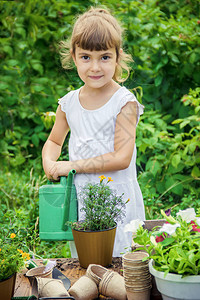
(95, 77)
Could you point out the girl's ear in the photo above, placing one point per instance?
(73, 56)
(120, 54)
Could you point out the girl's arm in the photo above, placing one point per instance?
(52, 148)
(119, 159)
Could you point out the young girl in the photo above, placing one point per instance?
(101, 115)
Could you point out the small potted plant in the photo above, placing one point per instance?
(174, 252)
(12, 258)
(94, 236)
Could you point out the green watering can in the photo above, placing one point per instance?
(57, 205)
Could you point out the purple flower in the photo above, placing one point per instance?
(168, 212)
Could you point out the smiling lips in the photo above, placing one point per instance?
(95, 77)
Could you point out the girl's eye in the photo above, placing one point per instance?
(85, 57)
(105, 57)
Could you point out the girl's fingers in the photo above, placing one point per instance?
(58, 169)
(53, 173)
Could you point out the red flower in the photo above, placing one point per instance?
(194, 226)
(159, 239)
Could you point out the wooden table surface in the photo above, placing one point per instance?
(71, 269)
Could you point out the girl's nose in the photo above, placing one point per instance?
(95, 66)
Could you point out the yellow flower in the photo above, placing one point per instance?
(102, 177)
(20, 251)
(25, 256)
(128, 200)
(0, 249)
(110, 179)
(13, 235)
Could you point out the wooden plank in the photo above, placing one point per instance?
(150, 224)
(22, 286)
(70, 268)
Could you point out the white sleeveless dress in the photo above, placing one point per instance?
(92, 134)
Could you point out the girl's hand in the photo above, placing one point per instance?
(60, 168)
(48, 165)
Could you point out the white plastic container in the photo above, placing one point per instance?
(174, 287)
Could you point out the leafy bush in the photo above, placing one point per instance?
(163, 38)
(168, 156)
(32, 78)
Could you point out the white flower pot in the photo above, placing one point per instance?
(174, 287)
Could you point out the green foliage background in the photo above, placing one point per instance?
(163, 38)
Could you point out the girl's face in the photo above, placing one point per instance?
(95, 68)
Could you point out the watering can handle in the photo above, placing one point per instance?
(68, 197)
(62, 180)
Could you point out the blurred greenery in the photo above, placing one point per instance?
(163, 38)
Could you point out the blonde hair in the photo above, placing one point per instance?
(96, 30)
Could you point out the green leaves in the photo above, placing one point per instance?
(169, 158)
(182, 261)
(102, 207)
(176, 160)
(179, 251)
(32, 79)
(37, 66)
(168, 241)
(158, 80)
(153, 166)
(164, 44)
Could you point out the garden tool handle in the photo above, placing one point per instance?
(25, 298)
(49, 298)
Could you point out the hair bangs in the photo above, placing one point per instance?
(97, 35)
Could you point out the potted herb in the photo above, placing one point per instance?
(94, 236)
(12, 258)
(174, 252)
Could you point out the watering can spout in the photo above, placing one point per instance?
(69, 199)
